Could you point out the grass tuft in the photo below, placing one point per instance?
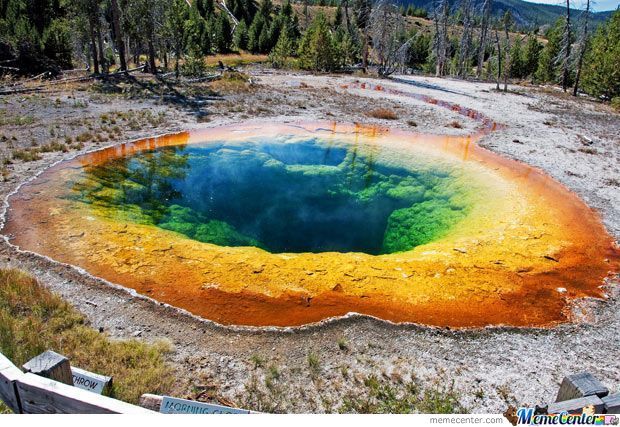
(32, 320)
(383, 113)
(382, 396)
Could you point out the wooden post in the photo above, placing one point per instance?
(9, 374)
(151, 401)
(580, 385)
(50, 365)
(612, 403)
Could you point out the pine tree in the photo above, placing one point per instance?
(197, 34)
(601, 69)
(206, 8)
(531, 55)
(222, 34)
(254, 33)
(264, 39)
(177, 14)
(56, 42)
(547, 65)
(265, 8)
(317, 50)
(517, 67)
(241, 36)
(338, 17)
(282, 51)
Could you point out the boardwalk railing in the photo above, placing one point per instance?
(27, 393)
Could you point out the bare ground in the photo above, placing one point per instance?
(320, 368)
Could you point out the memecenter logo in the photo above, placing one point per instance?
(531, 416)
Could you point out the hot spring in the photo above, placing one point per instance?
(291, 224)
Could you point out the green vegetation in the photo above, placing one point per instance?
(33, 320)
(314, 364)
(317, 49)
(602, 66)
(267, 390)
(48, 35)
(273, 196)
(404, 397)
(419, 224)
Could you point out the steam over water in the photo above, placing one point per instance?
(306, 196)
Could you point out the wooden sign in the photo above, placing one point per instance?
(172, 405)
(96, 383)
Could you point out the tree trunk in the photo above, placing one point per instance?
(484, 26)
(152, 67)
(566, 48)
(582, 49)
(365, 52)
(93, 50)
(177, 54)
(345, 4)
(441, 37)
(118, 35)
(465, 47)
(102, 60)
(507, 63)
(499, 60)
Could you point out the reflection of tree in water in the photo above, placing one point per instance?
(308, 196)
(144, 180)
(359, 166)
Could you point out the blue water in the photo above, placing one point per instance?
(307, 196)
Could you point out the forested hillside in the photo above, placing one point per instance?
(526, 14)
(463, 40)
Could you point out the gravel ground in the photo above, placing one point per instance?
(315, 369)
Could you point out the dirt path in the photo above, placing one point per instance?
(317, 368)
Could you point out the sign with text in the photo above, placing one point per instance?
(85, 380)
(172, 405)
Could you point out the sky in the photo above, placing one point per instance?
(597, 5)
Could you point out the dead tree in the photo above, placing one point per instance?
(466, 38)
(345, 6)
(499, 59)
(386, 27)
(440, 44)
(482, 42)
(565, 52)
(583, 42)
(507, 21)
(118, 34)
(363, 10)
(103, 63)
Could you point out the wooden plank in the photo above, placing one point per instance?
(50, 364)
(580, 385)
(173, 405)
(151, 401)
(612, 403)
(90, 381)
(575, 406)
(41, 395)
(9, 374)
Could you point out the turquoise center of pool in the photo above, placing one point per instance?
(309, 195)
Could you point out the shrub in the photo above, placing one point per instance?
(383, 113)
